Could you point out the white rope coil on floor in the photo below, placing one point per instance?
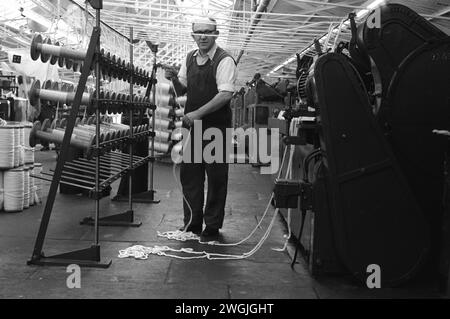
(7, 146)
(141, 252)
(13, 185)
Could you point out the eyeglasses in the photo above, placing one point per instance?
(205, 32)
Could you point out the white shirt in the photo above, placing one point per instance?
(225, 74)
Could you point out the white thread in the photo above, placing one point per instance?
(143, 252)
(162, 89)
(13, 185)
(161, 124)
(179, 112)
(21, 143)
(22, 134)
(7, 147)
(37, 171)
(16, 146)
(181, 100)
(2, 187)
(28, 155)
(21, 155)
(162, 135)
(162, 111)
(26, 187)
(27, 129)
(31, 188)
(161, 147)
(163, 101)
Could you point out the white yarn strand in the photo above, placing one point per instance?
(141, 252)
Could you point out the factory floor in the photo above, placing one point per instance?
(264, 275)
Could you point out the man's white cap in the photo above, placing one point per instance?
(204, 20)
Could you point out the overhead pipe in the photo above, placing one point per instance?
(255, 20)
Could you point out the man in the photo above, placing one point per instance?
(207, 76)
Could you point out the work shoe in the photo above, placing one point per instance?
(210, 232)
(196, 229)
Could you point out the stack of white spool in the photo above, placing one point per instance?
(8, 148)
(13, 190)
(166, 116)
(17, 187)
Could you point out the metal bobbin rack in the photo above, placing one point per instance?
(101, 142)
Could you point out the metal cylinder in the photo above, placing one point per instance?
(45, 50)
(44, 132)
(36, 93)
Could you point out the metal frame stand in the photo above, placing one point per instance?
(148, 197)
(88, 257)
(125, 219)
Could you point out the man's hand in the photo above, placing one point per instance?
(170, 73)
(189, 118)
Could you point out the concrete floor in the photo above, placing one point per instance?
(265, 275)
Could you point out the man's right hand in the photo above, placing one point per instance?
(170, 73)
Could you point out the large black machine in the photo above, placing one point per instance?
(376, 185)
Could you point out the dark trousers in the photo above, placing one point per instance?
(192, 177)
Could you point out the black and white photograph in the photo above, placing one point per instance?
(224, 158)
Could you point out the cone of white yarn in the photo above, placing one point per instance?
(13, 180)
(7, 146)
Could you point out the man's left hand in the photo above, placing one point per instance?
(189, 118)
